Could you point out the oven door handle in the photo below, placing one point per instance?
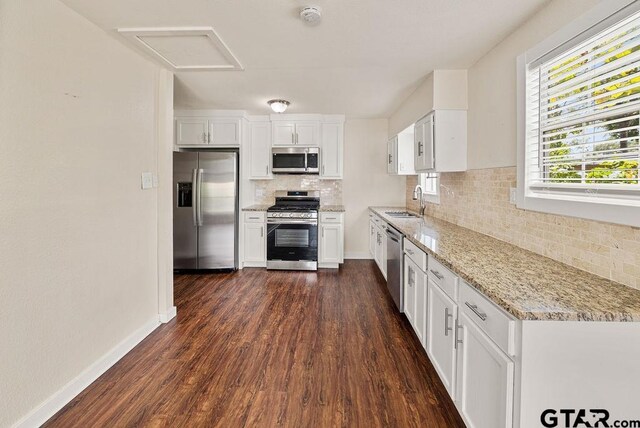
(291, 221)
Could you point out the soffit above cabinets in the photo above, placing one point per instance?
(184, 48)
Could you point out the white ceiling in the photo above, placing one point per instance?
(362, 60)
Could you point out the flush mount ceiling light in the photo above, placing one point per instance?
(311, 14)
(278, 106)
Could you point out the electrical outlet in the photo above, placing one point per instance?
(513, 194)
(147, 180)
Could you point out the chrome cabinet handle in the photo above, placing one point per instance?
(410, 251)
(209, 137)
(293, 138)
(412, 280)
(323, 169)
(262, 231)
(447, 315)
(330, 218)
(254, 218)
(476, 311)
(297, 138)
(420, 151)
(457, 335)
(204, 137)
(267, 169)
(437, 274)
(323, 232)
(389, 159)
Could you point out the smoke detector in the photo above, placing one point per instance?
(311, 14)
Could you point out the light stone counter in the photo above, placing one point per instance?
(525, 284)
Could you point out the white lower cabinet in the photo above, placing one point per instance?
(372, 238)
(331, 240)
(441, 348)
(415, 298)
(484, 392)
(255, 240)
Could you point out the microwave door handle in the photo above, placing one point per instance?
(306, 161)
(194, 197)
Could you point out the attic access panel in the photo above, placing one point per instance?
(184, 49)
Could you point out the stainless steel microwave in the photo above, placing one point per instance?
(295, 160)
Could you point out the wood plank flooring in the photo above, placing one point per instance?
(261, 348)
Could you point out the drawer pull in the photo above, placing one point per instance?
(410, 251)
(254, 218)
(330, 218)
(476, 311)
(447, 315)
(437, 274)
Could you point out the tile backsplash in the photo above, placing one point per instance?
(330, 190)
(479, 200)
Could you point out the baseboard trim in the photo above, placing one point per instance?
(169, 315)
(358, 256)
(68, 392)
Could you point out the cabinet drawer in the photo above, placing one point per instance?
(444, 278)
(330, 217)
(255, 217)
(498, 325)
(418, 256)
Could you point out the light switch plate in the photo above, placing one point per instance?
(147, 180)
(513, 194)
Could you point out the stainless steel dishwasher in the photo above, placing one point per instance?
(394, 266)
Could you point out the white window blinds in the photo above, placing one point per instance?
(583, 115)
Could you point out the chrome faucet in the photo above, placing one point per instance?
(417, 196)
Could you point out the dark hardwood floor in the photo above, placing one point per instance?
(265, 349)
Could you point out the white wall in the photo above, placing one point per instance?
(366, 182)
(78, 254)
(492, 86)
(419, 103)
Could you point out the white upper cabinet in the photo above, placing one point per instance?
(260, 150)
(331, 150)
(224, 132)
(216, 131)
(191, 131)
(392, 155)
(295, 132)
(400, 157)
(441, 142)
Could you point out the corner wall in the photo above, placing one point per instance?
(78, 253)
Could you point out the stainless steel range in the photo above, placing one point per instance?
(292, 231)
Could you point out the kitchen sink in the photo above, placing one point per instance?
(401, 214)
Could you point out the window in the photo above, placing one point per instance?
(579, 152)
(430, 183)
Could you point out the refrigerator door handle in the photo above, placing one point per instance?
(199, 195)
(194, 192)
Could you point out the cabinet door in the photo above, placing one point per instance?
(410, 272)
(424, 144)
(307, 133)
(260, 153)
(442, 312)
(485, 379)
(420, 309)
(405, 154)
(191, 131)
(283, 133)
(331, 150)
(330, 245)
(372, 239)
(224, 132)
(392, 156)
(254, 244)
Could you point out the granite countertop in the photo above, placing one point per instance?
(525, 284)
(323, 208)
(332, 208)
(257, 207)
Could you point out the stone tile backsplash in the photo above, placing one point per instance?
(330, 190)
(479, 200)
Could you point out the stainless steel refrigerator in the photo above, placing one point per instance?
(205, 210)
